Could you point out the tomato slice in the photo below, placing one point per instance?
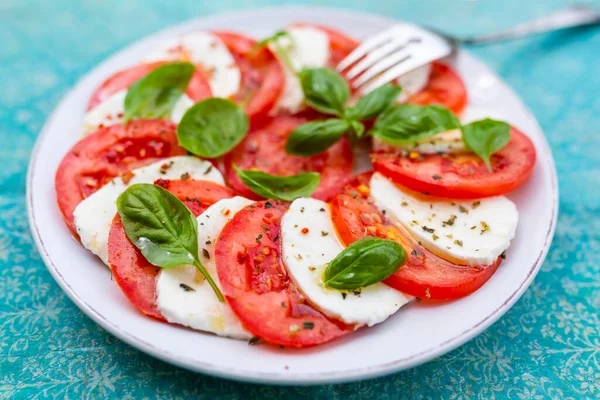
(198, 88)
(262, 75)
(462, 176)
(133, 273)
(264, 149)
(340, 44)
(107, 153)
(445, 88)
(257, 286)
(196, 195)
(424, 275)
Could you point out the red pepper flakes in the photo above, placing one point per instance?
(241, 257)
(162, 183)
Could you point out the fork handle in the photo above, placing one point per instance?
(570, 17)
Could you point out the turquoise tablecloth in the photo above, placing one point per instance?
(547, 346)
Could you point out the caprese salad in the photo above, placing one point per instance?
(216, 180)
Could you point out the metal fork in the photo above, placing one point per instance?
(404, 48)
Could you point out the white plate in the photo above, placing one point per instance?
(416, 334)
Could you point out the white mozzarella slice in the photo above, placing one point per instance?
(111, 112)
(207, 52)
(445, 142)
(94, 215)
(305, 47)
(473, 232)
(306, 254)
(184, 297)
(413, 81)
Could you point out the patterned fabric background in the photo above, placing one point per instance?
(547, 346)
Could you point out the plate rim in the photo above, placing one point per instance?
(247, 375)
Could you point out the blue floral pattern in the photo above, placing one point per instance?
(546, 346)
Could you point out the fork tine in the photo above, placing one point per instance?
(383, 65)
(374, 57)
(364, 48)
(394, 72)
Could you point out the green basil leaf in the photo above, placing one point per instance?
(276, 45)
(155, 95)
(315, 137)
(374, 103)
(358, 128)
(161, 227)
(212, 127)
(265, 42)
(486, 137)
(324, 90)
(406, 123)
(363, 263)
(287, 188)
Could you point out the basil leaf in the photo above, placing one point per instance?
(407, 123)
(287, 188)
(212, 127)
(374, 103)
(486, 137)
(161, 227)
(363, 263)
(324, 90)
(358, 128)
(155, 95)
(315, 137)
(265, 42)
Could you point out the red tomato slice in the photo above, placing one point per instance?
(424, 275)
(462, 176)
(257, 286)
(262, 75)
(198, 88)
(133, 273)
(196, 195)
(445, 88)
(264, 149)
(340, 44)
(107, 153)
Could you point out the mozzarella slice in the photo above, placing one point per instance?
(309, 242)
(413, 82)
(207, 52)
(473, 232)
(94, 215)
(182, 294)
(444, 142)
(111, 112)
(305, 47)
